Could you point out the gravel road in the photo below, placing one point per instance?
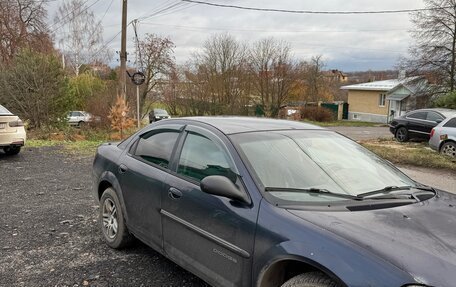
(49, 234)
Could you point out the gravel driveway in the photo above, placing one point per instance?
(49, 234)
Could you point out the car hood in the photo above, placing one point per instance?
(418, 238)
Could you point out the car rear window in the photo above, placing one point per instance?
(432, 116)
(451, 123)
(4, 111)
(157, 148)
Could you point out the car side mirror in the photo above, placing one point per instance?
(221, 186)
(438, 121)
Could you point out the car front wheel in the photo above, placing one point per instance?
(12, 150)
(402, 134)
(449, 149)
(115, 231)
(311, 279)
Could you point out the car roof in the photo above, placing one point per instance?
(233, 125)
(445, 112)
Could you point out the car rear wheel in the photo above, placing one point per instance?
(12, 150)
(115, 231)
(311, 279)
(449, 149)
(402, 134)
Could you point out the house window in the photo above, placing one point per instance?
(382, 100)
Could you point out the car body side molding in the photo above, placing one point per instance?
(210, 236)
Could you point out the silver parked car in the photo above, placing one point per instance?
(80, 118)
(443, 137)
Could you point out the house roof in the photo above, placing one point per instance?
(386, 85)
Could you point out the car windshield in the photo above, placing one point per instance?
(160, 112)
(4, 111)
(316, 160)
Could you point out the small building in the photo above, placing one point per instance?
(380, 101)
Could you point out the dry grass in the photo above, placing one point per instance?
(417, 154)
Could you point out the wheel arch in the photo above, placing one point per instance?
(281, 269)
(444, 142)
(109, 180)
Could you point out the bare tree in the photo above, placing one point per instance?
(79, 33)
(157, 63)
(220, 66)
(434, 50)
(274, 73)
(22, 24)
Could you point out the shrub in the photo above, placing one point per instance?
(317, 114)
(446, 101)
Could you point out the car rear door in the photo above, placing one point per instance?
(417, 124)
(432, 120)
(209, 235)
(143, 170)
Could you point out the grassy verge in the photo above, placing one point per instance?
(85, 147)
(344, 124)
(415, 154)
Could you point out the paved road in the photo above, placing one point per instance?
(363, 133)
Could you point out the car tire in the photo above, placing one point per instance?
(402, 134)
(12, 150)
(112, 221)
(311, 279)
(449, 149)
(81, 124)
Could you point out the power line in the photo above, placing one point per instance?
(314, 12)
(167, 9)
(196, 28)
(106, 12)
(74, 16)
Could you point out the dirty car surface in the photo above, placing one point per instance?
(258, 202)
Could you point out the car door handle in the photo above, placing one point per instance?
(123, 168)
(174, 193)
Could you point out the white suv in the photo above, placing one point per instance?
(12, 132)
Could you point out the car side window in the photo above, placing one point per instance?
(201, 157)
(156, 148)
(451, 123)
(418, 115)
(434, 117)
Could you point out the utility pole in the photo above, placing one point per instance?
(138, 113)
(123, 53)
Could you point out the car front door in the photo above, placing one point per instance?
(210, 235)
(142, 173)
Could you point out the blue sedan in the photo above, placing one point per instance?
(260, 202)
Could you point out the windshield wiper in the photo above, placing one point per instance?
(385, 190)
(312, 191)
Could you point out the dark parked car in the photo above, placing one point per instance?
(258, 202)
(418, 123)
(158, 114)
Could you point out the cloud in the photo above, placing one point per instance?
(346, 42)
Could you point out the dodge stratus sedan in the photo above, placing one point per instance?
(259, 202)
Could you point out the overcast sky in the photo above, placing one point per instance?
(346, 42)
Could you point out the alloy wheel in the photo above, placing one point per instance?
(110, 220)
(449, 149)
